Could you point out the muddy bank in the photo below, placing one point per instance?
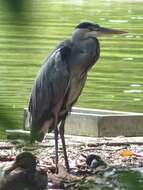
(120, 157)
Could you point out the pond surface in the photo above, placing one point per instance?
(31, 29)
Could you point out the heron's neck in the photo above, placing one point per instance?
(78, 36)
(82, 38)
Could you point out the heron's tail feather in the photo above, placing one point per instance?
(38, 130)
(36, 135)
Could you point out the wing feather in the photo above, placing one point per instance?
(50, 86)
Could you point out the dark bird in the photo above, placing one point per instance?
(23, 174)
(60, 81)
(93, 161)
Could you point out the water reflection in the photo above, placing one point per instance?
(128, 58)
(133, 91)
(120, 21)
(137, 99)
(135, 85)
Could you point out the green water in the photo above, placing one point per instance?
(29, 31)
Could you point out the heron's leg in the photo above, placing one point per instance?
(56, 111)
(62, 131)
(56, 142)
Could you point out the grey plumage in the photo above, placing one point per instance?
(60, 76)
(60, 81)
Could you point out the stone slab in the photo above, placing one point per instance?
(100, 123)
(17, 134)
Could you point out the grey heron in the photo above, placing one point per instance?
(61, 79)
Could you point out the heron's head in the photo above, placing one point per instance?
(91, 29)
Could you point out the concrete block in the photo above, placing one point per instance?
(99, 123)
(17, 134)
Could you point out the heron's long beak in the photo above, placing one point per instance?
(108, 31)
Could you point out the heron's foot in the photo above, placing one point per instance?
(73, 172)
(68, 169)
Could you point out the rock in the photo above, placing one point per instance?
(17, 134)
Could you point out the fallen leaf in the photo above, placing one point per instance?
(126, 153)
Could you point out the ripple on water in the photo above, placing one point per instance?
(128, 58)
(135, 85)
(118, 21)
(137, 36)
(137, 17)
(137, 99)
(133, 91)
(129, 36)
